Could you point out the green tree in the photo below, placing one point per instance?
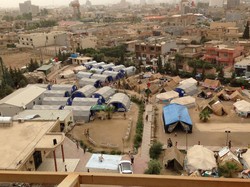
(159, 65)
(33, 65)
(154, 167)
(228, 169)
(204, 115)
(178, 60)
(246, 31)
(109, 111)
(155, 150)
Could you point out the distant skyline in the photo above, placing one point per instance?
(15, 3)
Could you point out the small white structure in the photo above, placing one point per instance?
(98, 65)
(89, 64)
(115, 75)
(129, 71)
(56, 93)
(66, 87)
(87, 81)
(120, 101)
(79, 101)
(167, 96)
(67, 74)
(5, 121)
(118, 67)
(102, 78)
(81, 75)
(47, 107)
(189, 81)
(108, 66)
(188, 88)
(187, 101)
(80, 113)
(96, 70)
(79, 69)
(86, 91)
(104, 93)
(242, 108)
(55, 101)
(21, 99)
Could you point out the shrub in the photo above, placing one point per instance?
(154, 167)
(155, 150)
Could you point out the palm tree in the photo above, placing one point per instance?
(109, 110)
(204, 115)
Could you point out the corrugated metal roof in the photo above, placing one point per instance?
(23, 96)
(120, 98)
(105, 92)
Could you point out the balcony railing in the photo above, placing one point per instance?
(75, 179)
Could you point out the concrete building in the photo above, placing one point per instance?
(21, 99)
(223, 54)
(27, 7)
(8, 38)
(35, 40)
(216, 3)
(242, 68)
(26, 144)
(81, 60)
(233, 3)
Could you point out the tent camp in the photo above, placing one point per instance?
(65, 87)
(81, 75)
(222, 95)
(173, 158)
(199, 157)
(90, 64)
(189, 81)
(56, 101)
(83, 101)
(79, 68)
(47, 107)
(98, 65)
(129, 71)
(115, 75)
(102, 78)
(107, 66)
(211, 84)
(187, 101)
(67, 74)
(96, 70)
(120, 101)
(80, 113)
(236, 95)
(242, 108)
(167, 96)
(56, 93)
(219, 109)
(93, 82)
(175, 115)
(104, 93)
(186, 88)
(85, 91)
(118, 68)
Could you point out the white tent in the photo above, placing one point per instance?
(82, 101)
(87, 64)
(114, 74)
(65, 87)
(80, 113)
(118, 68)
(46, 107)
(120, 101)
(167, 96)
(242, 108)
(98, 65)
(96, 70)
(189, 88)
(56, 93)
(67, 74)
(108, 66)
(129, 70)
(104, 93)
(79, 68)
(189, 81)
(187, 101)
(199, 157)
(86, 81)
(103, 78)
(81, 75)
(55, 100)
(85, 91)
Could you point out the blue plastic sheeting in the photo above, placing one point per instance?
(175, 113)
(180, 91)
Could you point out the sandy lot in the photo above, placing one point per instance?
(109, 131)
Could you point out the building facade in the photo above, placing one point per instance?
(27, 7)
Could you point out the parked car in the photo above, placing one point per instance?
(125, 167)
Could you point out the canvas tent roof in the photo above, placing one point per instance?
(173, 153)
(67, 74)
(189, 81)
(99, 64)
(174, 113)
(213, 84)
(81, 75)
(242, 107)
(120, 98)
(83, 101)
(117, 68)
(107, 66)
(176, 79)
(105, 92)
(187, 101)
(87, 81)
(246, 157)
(87, 91)
(46, 107)
(235, 96)
(55, 93)
(79, 68)
(167, 95)
(199, 157)
(96, 70)
(223, 95)
(102, 78)
(189, 88)
(218, 108)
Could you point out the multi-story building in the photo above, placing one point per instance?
(42, 39)
(27, 7)
(154, 47)
(8, 38)
(223, 54)
(233, 3)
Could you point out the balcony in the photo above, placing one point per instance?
(77, 179)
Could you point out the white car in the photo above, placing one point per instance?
(125, 167)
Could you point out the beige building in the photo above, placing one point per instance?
(27, 7)
(8, 38)
(35, 40)
(24, 145)
(81, 60)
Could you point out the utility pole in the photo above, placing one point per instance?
(227, 137)
(3, 71)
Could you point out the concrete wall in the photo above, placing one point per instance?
(9, 110)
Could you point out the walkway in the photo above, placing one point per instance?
(142, 158)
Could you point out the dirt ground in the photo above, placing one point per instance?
(109, 131)
(20, 59)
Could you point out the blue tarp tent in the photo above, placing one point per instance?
(175, 115)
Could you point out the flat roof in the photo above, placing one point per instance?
(44, 67)
(18, 142)
(43, 115)
(47, 141)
